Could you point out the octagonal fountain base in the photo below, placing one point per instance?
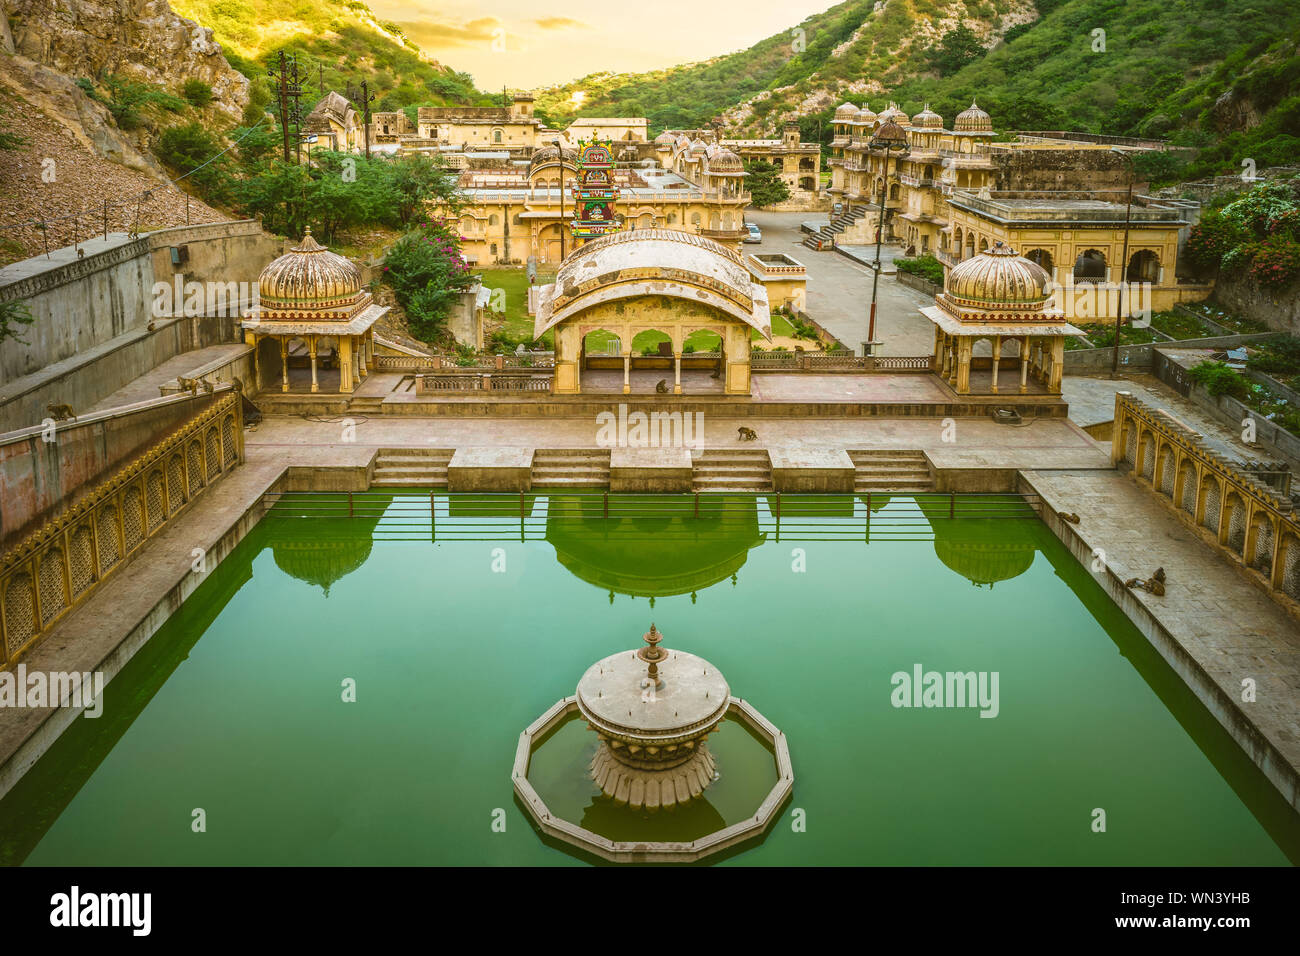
(767, 805)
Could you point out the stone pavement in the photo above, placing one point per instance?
(1092, 400)
(839, 291)
(1040, 443)
(146, 386)
(1229, 626)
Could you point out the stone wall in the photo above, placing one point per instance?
(39, 479)
(1279, 309)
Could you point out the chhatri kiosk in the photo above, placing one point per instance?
(1002, 298)
(310, 299)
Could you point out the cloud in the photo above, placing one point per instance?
(561, 23)
(442, 34)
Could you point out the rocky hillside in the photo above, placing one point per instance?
(1194, 72)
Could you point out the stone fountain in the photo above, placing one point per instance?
(653, 710)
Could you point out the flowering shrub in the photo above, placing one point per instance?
(427, 273)
(1275, 262)
(1259, 231)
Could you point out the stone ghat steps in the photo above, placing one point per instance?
(836, 226)
(411, 468)
(732, 470)
(570, 468)
(883, 470)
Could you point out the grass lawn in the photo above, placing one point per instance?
(1179, 324)
(513, 284)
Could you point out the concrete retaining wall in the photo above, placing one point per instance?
(1086, 361)
(39, 479)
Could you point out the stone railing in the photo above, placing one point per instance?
(837, 361)
(56, 567)
(482, 382)
(1245, 518)
(422, 363)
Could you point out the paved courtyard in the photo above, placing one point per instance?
(839, 291)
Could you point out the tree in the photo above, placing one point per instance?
(765, 184)
(192, 150)
(427, 274)
(955, 49)
(12, 314)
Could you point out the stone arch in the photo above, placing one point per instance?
(1090, 266)
(155, 496)
(194, 466)
(213, 448)
(1147, 455)
(1143, 266)
(132, 520)
(984, 244)
(20, 612)
(1042, 258)
(81, 559)
(1130, 441)
(1211, 496)
(601, 342)
(1289, 558)
(651, 339)
(1187, 487)
(1236, 530)
(175, 482)
(1260, 543)
(49, 581)
(110, 548)
(1166, 460)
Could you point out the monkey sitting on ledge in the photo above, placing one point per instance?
(747, 434)
(61, 412)
(662, 387)
(1153, 585)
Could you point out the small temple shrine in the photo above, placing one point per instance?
(594, 192)
(310, 301)
(1002, 298)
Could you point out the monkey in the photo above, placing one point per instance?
(1070, 517)
(81, 253)
(188, 384)
(205, 385)
(662, 387)
(151, 326)
(61, 412)
(717, 371)
(1154, 584)
(238, 384)
(747, 434)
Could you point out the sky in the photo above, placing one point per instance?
(522, 45)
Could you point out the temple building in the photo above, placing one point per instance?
(312, 312)
(645, 293)
(1003, 299)
(622, 129)
(334, 125)
(799, 165)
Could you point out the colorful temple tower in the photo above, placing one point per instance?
(594, 192)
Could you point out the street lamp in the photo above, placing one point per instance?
(559, 148)
(1123, 267)
(889, 138)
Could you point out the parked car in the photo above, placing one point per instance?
(755, 235)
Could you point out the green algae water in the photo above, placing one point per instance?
(461, 626)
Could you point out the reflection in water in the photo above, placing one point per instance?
(687, 822)
(649, 547)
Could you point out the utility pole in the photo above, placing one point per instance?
(1123, 266)
(284, 104)
(366, 98)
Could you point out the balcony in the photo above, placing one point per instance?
(921, 182)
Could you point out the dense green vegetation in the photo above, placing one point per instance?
(338, 43)
(764, 182)
(1157, 71)
(427, 274)
(927, 267)
(1259, 231)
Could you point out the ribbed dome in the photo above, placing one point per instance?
(308, 276)
(698, 146)
(551, 154)
(892, 112)
(865, 117)
(845, 111)
(999, 280)
(725, 161)
(973, 120)
(928, 119)
(665, 139)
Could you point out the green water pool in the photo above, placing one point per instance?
(460, 627)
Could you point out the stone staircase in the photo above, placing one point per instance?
(411, 468)
(824, 236)
(570, 468)
(734, 470)
(886, 470)
(365, 404)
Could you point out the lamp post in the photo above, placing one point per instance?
(1123, 268)
(559, 148)
(888, 139)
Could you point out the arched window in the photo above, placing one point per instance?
(1143, 266)
(496, 136)
(492, 220)
(695, 219)
(1090, 266)
(1041, 257)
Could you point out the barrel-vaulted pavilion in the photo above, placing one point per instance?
(653, 280)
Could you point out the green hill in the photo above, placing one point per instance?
(338, 42)
(1158, 69)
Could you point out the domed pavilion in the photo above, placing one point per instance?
(1001, 297)
(310, 300)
